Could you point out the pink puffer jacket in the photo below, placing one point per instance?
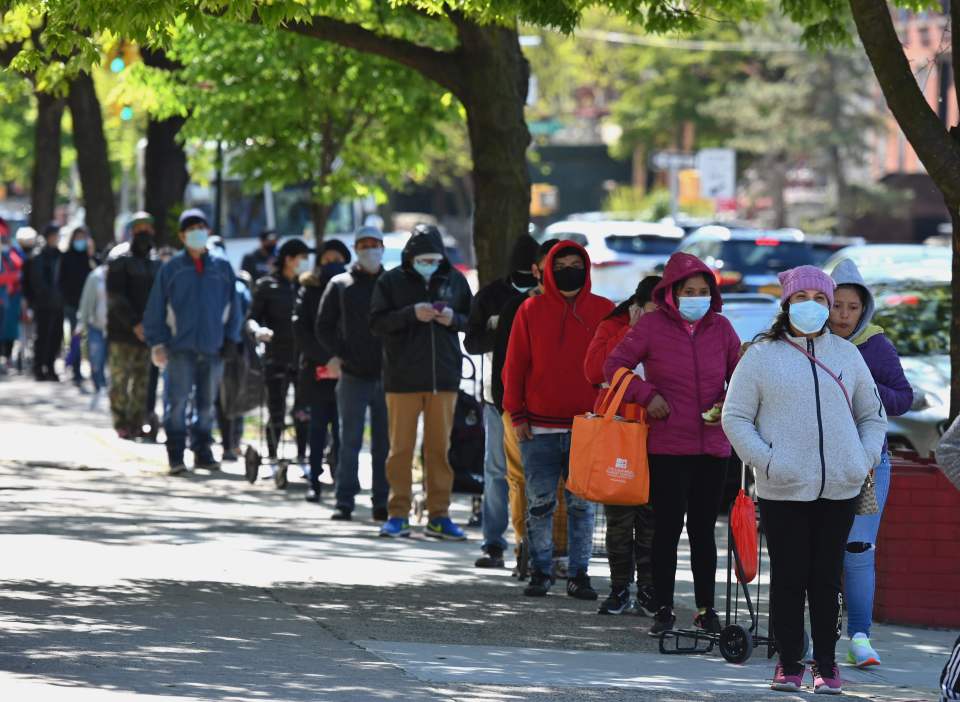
(688, 364)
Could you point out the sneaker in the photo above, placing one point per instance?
(394, 527)
(539, 585)
(444, 528)
(230, 456)
(210, 464)
(177, 469)
(314, 493)
(708, 620)
(663, 621)
(861, 654)
(493, 558)
(341, 515)
(579, 587)
(646, 600)
(827, 685)
(617, 602)
(380, 514)
(787, 683)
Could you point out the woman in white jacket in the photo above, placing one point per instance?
(803, 409)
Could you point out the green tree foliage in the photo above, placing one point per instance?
(17, 114)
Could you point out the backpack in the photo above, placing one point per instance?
(467, 439)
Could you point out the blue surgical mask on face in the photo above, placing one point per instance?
(196, 239)
(370, 259)
(80, 245)
(808, 317)
(425, 269)
(693, 309)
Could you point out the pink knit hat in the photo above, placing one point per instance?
(806, 278)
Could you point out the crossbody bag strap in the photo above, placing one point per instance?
(826, 370)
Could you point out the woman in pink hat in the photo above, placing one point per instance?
(803, 409)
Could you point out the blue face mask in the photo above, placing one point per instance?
(693, 309)
(80, 245)
(426, 269)
(332, 269)
(196, 239)
(808, 317)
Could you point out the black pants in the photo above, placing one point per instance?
(278, 380)
(629, 544)
(691, 487)
(806, 542)
(49, 339)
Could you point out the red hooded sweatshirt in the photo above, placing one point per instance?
(543, 376)
(688, 364)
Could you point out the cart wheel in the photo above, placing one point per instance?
(280, 475)
(736, 644)
(251, 461)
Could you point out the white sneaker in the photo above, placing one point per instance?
(861, 654)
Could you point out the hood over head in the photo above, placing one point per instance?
(549, 284)
(847, 273)
(680, 267)
(524, 253)
(424, 239)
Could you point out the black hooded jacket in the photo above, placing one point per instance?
(129, 280)
(420, 356)
(343, 323)
(273, 300)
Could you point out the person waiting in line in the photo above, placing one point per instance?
(851, 318)
(544, 389)
(92, 324)
(12, 258)
(804, 410)
(47, 304)
(75, 265)
(342, 328)
(192, 321)
(629, 536)
(270, 322)
(317, 380)
(260, 262)
(688, 351)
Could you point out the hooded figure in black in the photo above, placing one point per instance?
(418, 311)
(47, 304)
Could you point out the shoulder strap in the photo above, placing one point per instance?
(829, 372)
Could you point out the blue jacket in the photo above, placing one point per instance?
(187, 311)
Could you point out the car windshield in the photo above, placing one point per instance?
(821, 253)
(769, 256)
(915, 317)
(648, 244)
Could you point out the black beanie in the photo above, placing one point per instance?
(524, 253)
(335, 245)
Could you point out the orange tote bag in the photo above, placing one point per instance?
(608, 454)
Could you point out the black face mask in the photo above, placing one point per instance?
(523, 279)
(570, 279)
(142, 243)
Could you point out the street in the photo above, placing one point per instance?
(121, 582)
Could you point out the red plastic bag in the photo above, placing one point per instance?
(743, 530)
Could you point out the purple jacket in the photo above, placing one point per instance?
(688, 364)
(884, 364)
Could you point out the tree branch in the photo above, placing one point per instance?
(937, 150)
(442, 67)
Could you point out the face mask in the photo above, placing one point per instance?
(196, 239)
(142, 243)
(570, 279)
(693, 309)
(80, 245)
(270, 249)
(332, 269)
(523, 281)
(808, 317)
(370, 259)
(303, 266)
(425, 269)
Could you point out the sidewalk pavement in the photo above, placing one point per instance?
(119, 582)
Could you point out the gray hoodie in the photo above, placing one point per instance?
(789, 419)
(847, 273)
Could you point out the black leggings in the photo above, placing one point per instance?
(691, 487)
(629, 544)
(278, 380)
(806, 542)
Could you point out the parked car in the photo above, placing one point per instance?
(886, 262)
(824, 246)
(748, 260)
(621, 253)
(750, 313)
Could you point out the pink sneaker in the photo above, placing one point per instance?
(827, 685)
(787, 683)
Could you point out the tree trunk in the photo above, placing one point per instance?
(320, 215)
(954, 209)
(494, 94)
(46, 160)
(92, 160)
(165, 175)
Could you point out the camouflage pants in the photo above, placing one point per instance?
(629, 544)
(129, 376)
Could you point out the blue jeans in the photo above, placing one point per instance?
(97, 351)
(546, 459)
(70, 314)
(859, 576)
(496, 513)
(190, 372)
(354, 396)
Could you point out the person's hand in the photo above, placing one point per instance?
(138, 332)
(335, 367)
(446, 317)
(264, 335)
(658, 407)
(523, 431)
(493, 322)
(425, 311)
(158, 355)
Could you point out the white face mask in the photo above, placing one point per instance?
(370, 259)
(303, 266)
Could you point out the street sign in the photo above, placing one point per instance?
(718, 173)
(672, 160)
